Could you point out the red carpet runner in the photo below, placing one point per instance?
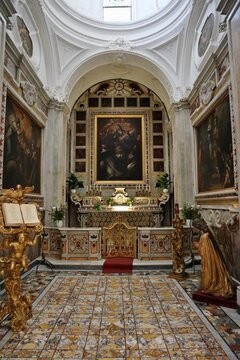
(118, 265)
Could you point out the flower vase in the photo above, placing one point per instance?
(189, 222)
(59, 223)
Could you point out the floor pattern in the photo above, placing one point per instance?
(80, 316)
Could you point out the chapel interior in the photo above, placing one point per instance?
(120, 128)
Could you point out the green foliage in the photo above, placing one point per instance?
(74, 182)
(110, 201)
(189, 211)
(97, 207)
(130, 201)
(163, 181)
(57, 213)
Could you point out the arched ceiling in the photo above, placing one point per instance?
(77, 50)
(103, 72)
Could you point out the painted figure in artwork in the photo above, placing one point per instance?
(119, 149)
(215, 278)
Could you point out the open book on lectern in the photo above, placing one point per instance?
(19, 214)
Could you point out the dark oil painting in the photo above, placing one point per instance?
(214, 150)
(119, 149)
(22, 148)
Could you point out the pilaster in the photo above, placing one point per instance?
(183, 154)
(55, 138)
(6, 11)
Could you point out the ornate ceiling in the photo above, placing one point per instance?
(72, 51)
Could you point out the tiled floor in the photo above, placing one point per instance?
(147, 315)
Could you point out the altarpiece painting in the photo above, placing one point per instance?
(119, 147)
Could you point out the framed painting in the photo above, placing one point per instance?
(119, 149)
(234, 46)
(214, 149)
(22, 148)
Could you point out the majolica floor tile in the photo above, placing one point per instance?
(91, 316)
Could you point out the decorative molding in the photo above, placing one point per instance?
(169, 51)
(119, 66)
(206, 92)
(57, 95)
(234, 139)
(222, 27)
(2, 129)
(29, 92)
(217, 217)
(10, 25)
(180, 96)
(120, 44)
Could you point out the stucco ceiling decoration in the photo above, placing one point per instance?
(206, 92)
(29, 92)
(169, 52)
(119, 64)
(180, 95)
(120, 44)
(67, 52)
(59, 96)
(154, 46)
(119, 87)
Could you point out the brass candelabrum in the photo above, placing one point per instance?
(178, 248)
(14, 242)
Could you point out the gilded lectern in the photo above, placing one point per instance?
(19, 227)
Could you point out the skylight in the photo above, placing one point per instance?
(117, 10)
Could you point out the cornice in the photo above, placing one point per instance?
(182, 104)
(209, 68)
(26, 68)
(226, 6)
(7, 9)
(22, 62)
(33, 111)
(55, 104)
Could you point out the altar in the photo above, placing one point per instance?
(115, 226)
(98, 211)
(95, 243)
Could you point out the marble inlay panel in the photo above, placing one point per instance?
(81, 316)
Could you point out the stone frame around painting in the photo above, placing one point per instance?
(22, 147)
(214, 152)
